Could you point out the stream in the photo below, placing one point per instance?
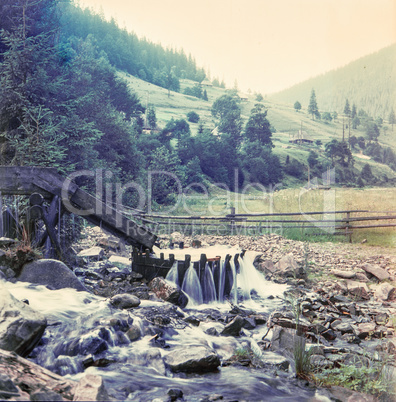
(83, 328)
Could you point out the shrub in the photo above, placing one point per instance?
(193, 117)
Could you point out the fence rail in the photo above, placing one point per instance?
(332, 223)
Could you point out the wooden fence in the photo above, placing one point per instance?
(330, 223)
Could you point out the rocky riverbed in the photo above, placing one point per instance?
(104, 333)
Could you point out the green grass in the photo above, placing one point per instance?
(292, 197)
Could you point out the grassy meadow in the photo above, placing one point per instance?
(286, 122)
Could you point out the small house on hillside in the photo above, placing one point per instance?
(301, 137)
(206, 83)
(243, 97)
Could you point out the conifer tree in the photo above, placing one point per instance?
(313, 106)
(347, 108)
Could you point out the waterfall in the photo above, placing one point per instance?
(208, 286)
(244, 279)
(191, 285)
(173, 274)
(234, 289)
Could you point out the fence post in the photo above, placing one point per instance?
(347, 227)
(232, 221)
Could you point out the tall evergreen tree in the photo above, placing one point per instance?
(313, 106)
(347, 108)
(353, 112)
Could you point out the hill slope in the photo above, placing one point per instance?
(369, 82)
(283, 118)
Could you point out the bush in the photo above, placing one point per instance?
(193, 117)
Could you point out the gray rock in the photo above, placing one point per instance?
(385, 292)
(275, 360)
(95, 253)
(192, 359)
(125, 301)
(20, 326)
(288, 266)
(134, 333)
(45, 396)
(376, 271)
(7, 387)
(283, 338)
(358, 290)
(366, 329)
(234, 327)
(343, 327)
(343, 274)
(51, 273)
(168, 291)
(91, 388)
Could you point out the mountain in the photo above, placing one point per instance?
(369, 83)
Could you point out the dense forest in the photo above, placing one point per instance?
(63, 104)
(368, 82)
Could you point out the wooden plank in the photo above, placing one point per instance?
(25, 180)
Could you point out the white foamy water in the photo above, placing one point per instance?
(138, 372)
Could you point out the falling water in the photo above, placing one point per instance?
(173, 274)
(234, 290)
(192, 286)
(245, 282)
(221, 281)
(208, 286)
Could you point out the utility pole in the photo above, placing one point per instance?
(343, 130)
(349, 133)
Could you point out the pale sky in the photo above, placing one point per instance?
(266, 45)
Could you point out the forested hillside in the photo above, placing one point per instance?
(125, 51)
(369, 83)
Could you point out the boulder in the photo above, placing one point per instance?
(21, 327)
(192, 359)
(125, 301)
(385, 292)
(33, 379)
(358, 290)
(96, 253)
(91, 388)
(361, 277)
(234, 327)
(343, 274)
(134, 333)
(275, 360)
(266, 267)
(283, 338)
(168, 291)
(376, 271)
(51, 273)
(288, 266)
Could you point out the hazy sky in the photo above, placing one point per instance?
(266, 45)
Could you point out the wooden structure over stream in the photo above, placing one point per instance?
(45, 185)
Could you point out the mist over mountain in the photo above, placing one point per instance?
(369, 83)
